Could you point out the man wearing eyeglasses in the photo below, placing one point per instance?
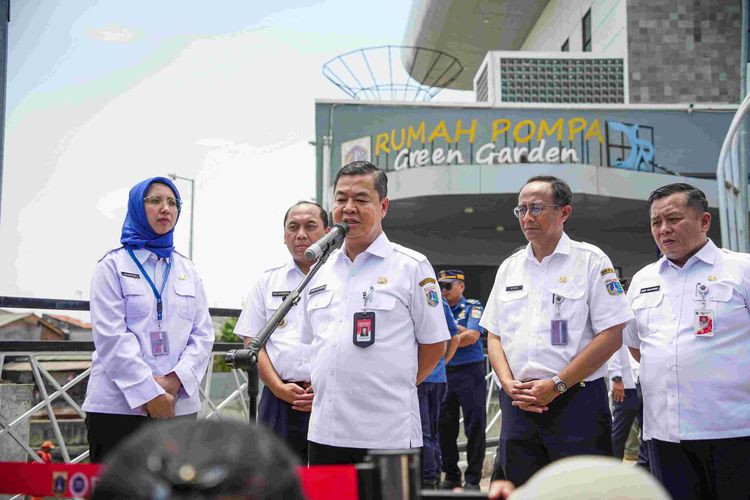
(466, 387)
(555, 316)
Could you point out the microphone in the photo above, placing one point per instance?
(334, 236)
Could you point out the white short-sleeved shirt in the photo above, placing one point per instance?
(123, 315)
(693, 387)
(520, 307)
(367, 397)
(619, 366)
(290, 358)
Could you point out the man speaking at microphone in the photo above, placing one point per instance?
(284, 364)
(374, 319)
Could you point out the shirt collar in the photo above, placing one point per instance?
(379, 248)
(143, 255)
(460, 304)
(707, 254)
(291, 266)
(563, 247)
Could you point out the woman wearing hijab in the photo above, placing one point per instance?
(152, 331)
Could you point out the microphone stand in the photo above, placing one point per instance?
(247, 359)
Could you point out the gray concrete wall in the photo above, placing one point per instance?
(15, 399)
(680, 51)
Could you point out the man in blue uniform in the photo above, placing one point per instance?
(466, 386)
(431, 393)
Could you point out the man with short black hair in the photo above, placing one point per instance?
(555, 316)
(374, 319)
(284, 363)
(692, 336)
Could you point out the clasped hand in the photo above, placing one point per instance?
(532, 396)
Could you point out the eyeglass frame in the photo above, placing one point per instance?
(168, 200)
(521, 210)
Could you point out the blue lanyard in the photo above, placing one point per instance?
(157, 293)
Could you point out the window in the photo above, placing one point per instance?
(586, 30)
(566, 46)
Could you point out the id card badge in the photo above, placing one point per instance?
(558, 326)
(159, 343)
(559, 329)
(364, 329)
(704, 323)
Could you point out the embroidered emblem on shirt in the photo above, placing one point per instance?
(182, 277)
(712, 278)
(650, 289)
(426, 281)
(281, 293)
(382, 280)
(317, 289)
(614, 287)
(433, 297)
(462, 315)
(514, 288)
(131, 275)
(476, 313)
(563, 279)
(607, 270)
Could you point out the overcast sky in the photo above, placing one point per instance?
(102, 94)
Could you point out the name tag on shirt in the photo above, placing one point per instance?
(131, 275)
(280, 293)
(514, 288)
(317, 289)
(650, 289)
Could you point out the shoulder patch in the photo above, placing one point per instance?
(476, 313)
(432, 296)
(409, 252)
(426, 281)
(606, 271)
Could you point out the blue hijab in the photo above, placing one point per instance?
(136, 231)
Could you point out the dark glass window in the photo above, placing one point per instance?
(587, 31)
(566, 46)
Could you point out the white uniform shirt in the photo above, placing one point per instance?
(367, 397)
(123, 315)
(290, 358)
(520, 309)
(620, 366)
(693, 387)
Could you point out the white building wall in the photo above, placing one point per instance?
(562, 19)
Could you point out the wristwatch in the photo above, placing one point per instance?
(560, 386)
(617, 379)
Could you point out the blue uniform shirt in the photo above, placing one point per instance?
(467, 313)
(438, 374)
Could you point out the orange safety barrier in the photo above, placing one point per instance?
(76, 480)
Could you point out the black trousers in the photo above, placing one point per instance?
(322, 454)
(467, 391)
(577, 423)
(290, 425)
(107, 430)
(707, 468)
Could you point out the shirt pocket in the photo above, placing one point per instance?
(319, 311)
(574, 307)
(719, 299)
(137, 299)
(272, 304)
(512, 312)
(185, 299)
(647, 310)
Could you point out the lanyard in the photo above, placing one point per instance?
(157, 293)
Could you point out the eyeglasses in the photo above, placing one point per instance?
(535, 209)
(158, 201)
(446, 286)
